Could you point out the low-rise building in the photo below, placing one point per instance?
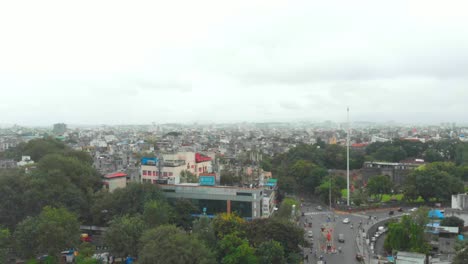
(115, 180)
(397, 171)
(25, 160)
(246, 202)
(410, 258)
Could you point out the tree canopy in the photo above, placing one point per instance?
(167, 244)
(52, 231)
(379, 185)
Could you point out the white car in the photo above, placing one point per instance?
(346, 221)
(373, 239)
(413, 209)
(310, 234)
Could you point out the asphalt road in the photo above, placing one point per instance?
(349, 247)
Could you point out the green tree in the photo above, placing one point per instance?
(52, 231)
(5, 244)
(183, 210)
(271, 252)
(285, 209)
(266, 164)
(360, 196)
(204, 230)
(433, 181)
(123, 235)
(406, 235)
(169, 245)
(124, 201)
(157, 212)
(323, 191)
(14, 205)
(379, 185)
(285, 232)
(229, 178)
(453, 221)
(187, 176)
(225, 224)
(235, 250)
(80, 174)
(462, 256)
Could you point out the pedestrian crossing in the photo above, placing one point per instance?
(316, 213)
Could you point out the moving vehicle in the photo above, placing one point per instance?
(310, 233)
(400, 209)
(346, 221)
(359, 257)
(319, 208)
(413, 209)
(341, 238)
(391, 212)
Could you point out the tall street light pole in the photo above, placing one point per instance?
(347, 155)
(329, 192)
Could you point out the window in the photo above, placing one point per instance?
(193, 166)
(157, 173)
(144, 173)
(199, 169)
(243, 194)
(165, 174)
(170, 173)
(154, 173)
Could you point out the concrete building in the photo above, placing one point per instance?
(268, 203)
(149, 170)
(7, 164)
(115, 180)
(168, 170)
(460, 201)
(410, 258)
(25, 160)
(246, 202)
(395, 170)
(59, 128)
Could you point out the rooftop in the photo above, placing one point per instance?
(115, 175)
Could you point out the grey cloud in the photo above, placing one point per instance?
(164, 86)
(290, 105)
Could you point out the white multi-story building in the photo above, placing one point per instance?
(25, 160)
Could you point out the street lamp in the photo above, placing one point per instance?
(347, 157)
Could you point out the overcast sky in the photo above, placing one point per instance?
(130, 62)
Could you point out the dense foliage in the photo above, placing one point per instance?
(438, 180)
(406, 235)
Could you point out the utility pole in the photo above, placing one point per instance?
(347, 155)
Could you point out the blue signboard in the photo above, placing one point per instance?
(149, 161)
(207, 180)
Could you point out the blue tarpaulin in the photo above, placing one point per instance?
(436, 214)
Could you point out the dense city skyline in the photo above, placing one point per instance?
(233, 62)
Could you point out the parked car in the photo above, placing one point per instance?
(413, 209)
(391, 213)
(400, 209)
(341, 238)
(319, 208)
(346, 221)
(310, 234)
